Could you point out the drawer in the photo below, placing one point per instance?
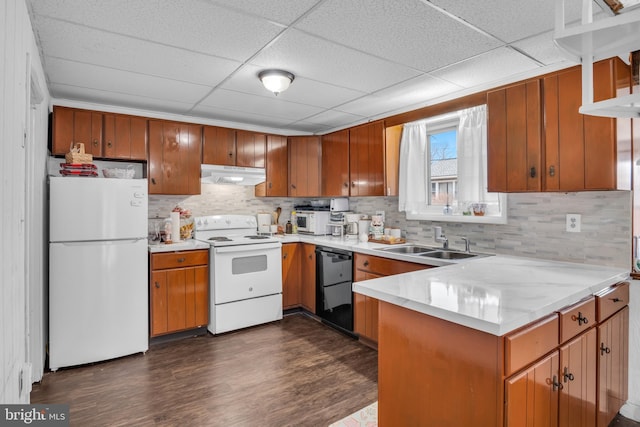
(384, 266)
(166, 260)
(528, 344)
(612, 299)
(577, 318)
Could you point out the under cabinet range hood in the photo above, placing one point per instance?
(233, 175)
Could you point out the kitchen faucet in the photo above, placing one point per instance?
(439, 236)
(467, 242)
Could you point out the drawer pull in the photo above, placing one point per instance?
(581, 319)
(366, 263)
(284, 255)
(604, 349)
(616, 299)
(182, 259)
(532, 172)
(567, 375)
(157, 285)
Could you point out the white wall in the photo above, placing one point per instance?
(22, 192)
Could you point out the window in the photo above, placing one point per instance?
(443, 162)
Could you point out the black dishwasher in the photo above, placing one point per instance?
(334, 299)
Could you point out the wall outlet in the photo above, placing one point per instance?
(573, 223)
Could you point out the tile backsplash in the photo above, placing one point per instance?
(536, 221)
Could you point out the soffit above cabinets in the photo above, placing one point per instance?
(353, 61)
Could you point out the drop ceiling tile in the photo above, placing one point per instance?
(510, 20)
(302, 90)
(542, 48)
(79, 43)
(266, 106)
(323, 61)
(194, 25)
(401, 31)
(123, 82)
(306, 127)
(281, 11)
(75, 93)
(335, 118)
(484, 69)
(241, 117)
(408, 95)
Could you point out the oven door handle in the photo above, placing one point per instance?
(246, 248)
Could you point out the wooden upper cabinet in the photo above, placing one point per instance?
(393, 135)
(218, 146)
(125, 137)
(335, 164)
(366, 160)
(174, 157)
(583, 152)
(251, 148)
(514, 138)
(277, 168)
(104, 135)
(72, 125)
(304, 166)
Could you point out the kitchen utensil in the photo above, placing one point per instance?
(278, 212)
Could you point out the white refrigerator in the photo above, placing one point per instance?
(98, 269)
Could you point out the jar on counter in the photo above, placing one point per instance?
(288, 229)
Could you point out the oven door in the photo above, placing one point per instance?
(246, 271)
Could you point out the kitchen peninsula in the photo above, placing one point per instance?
(485, 342)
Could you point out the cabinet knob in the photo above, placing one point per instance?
(293, 186)
(552, 171)
(109, 144)
(230, 154)
(580, 318)
(181, 259)
(157, 285)
(345, 185)
(284, 255)
(532, 172)
(604, 349)
(153, 181)
(566, 375)
(270, 185)
(366, 263)
(95, 142)
(353, 183)
(616, 299)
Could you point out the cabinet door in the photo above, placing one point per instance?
(158, 301)
(62, 130)
(218, 146)
(577, 406)
(277, 168)
(304, 166)
(87, 129)
(531, 397)
(139, 139)
(251, 148)
(366, 160)
(365, 311)
(196, 296)
(392, 139)
(124, 137)
(335, 164)
(174, 158)
(176, 300)
(514, 138)
(308, 277)
(613, 351)
(290, 275)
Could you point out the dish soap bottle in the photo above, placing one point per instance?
(288, 229)
(294, 221)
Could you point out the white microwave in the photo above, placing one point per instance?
(313, 222)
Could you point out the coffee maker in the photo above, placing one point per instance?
(351, 221)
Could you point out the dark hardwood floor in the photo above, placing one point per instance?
(295, 372)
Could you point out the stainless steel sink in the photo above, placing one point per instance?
(448, 255)
(407, 249)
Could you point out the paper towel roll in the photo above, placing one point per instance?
(175, 227)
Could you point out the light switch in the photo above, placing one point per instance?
(573, 223)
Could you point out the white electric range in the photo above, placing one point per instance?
(245, 272)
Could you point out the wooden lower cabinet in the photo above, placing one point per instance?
(578, 378)
(179, 291)
(290, 275)
(613, 350)
(308, 277)
(365, 311)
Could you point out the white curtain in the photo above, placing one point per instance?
(472, 155)
(413, 193)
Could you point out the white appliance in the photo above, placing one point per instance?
(313, 222)
(98, 280)
(340, 204)
(245, 272)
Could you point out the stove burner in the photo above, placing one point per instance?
(256, 237)
(220, 239)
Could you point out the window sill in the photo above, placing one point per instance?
(487, 219)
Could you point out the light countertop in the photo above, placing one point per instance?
(185, 245)
(496, 294)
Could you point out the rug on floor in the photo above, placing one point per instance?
(365, 417)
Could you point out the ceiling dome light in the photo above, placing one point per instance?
(276, 80)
